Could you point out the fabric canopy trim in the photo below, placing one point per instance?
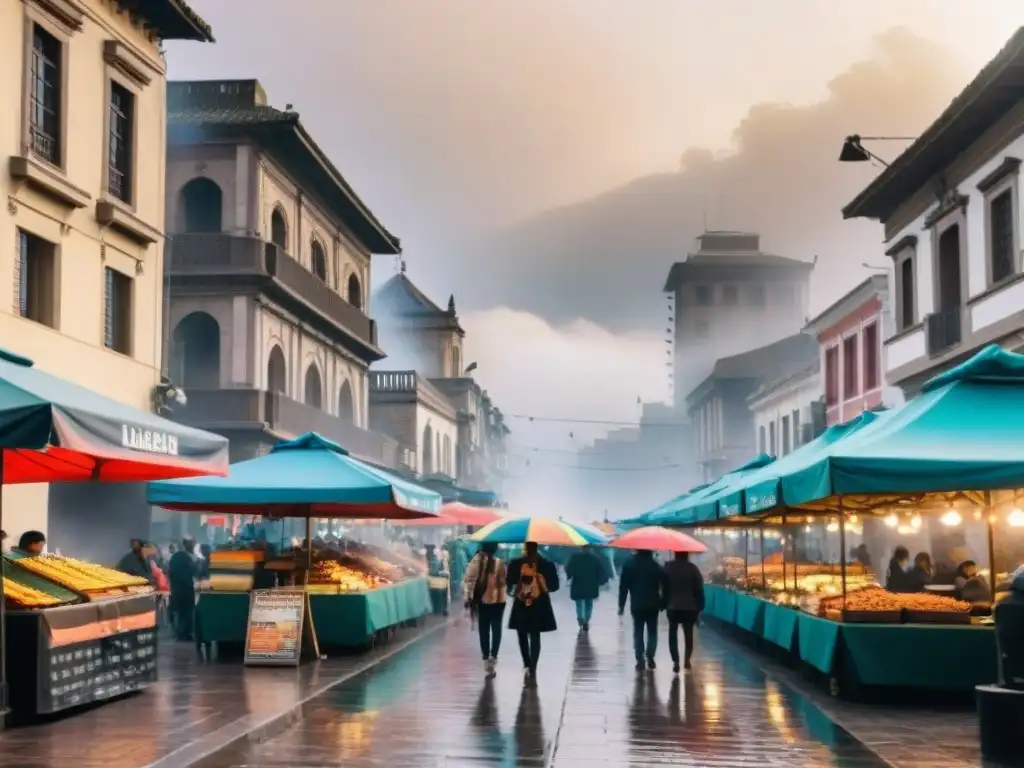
(310, 476)
(52, 430)
(457, 513)
(702, 506)
(540, 530)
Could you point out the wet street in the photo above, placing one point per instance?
(429, 705)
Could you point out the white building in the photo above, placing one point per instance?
(951, 208)
(788, 412)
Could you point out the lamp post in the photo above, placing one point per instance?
(854, 151)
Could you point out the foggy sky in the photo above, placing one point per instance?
(528, 152)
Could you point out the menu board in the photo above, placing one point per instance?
(275, 630)
(94, 670)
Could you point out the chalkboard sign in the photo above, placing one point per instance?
(95, 670)
(274, 635)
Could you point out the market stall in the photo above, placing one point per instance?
(941, 474)
(354, 594)
(77, 632)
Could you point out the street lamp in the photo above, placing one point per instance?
(854, 151)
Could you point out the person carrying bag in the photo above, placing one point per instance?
(484, 584)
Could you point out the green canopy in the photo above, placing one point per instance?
(757, 492)
(647, 517)
(962, 433)
(702, 506)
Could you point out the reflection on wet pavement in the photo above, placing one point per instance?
(430, 706)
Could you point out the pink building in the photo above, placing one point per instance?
(850, 334)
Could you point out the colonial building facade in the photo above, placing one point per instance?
(268, 269)
(952, 211)
(424, 394)
(82, 273)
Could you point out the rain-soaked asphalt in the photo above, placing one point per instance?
(429, 705)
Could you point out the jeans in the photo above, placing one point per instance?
(488, 623)
(529, 647)
(584, 610)
(645, 621)
(687, 619)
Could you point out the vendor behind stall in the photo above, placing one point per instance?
(970, 585)
(896, 576)
(31, 543)
(135, 561)
(921, 575)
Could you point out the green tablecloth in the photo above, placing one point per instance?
(920, 655)
(779, 626)
(341, 620)
(818, 641)
(724, 605)
(750, 612)
(710, 591)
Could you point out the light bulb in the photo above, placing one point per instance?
(951, 519)
(1016, 519)
(977, 514)
(915, 522)
(853, 519)
(905, 530)
(891, 521)
(810, 519)
(832, 527)
(807, 528)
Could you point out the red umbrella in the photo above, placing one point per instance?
(457, 513)
(658, 539)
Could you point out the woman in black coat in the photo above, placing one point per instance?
(531, 580)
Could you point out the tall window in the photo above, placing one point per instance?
(1001, 248)
(703, 295)
(730, 295)
(872, 379)
(318, 260)
(279, 229)
(355, 292)
(771, 439)
(121, 128)
(907, 293)
(949, 269)
(456, 362)
(762, 440)
(313, 387)
(796, 427)
(850, 381)
(46, 96)
(117, 330)
(35, 279)
(831, 376)
(787, 436)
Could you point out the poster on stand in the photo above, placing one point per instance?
(279, 628)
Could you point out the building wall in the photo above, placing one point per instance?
(778, 408)
(74, 347)
(990, 312)
(849, 404)
(441, 427)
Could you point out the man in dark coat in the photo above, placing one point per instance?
(586, 574)
(135, 562)
(182, 577)
(645, 584)
(531, 580)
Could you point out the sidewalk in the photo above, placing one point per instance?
(195, 709)
(430, 706)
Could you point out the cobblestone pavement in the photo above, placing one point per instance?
(430, 706)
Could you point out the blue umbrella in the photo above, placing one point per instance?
(307, 477)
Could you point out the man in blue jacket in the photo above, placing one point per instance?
(644, 581)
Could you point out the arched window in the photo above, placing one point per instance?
(200, 206)
(318, 260)
(313, 387)
(456, 362)
(447, 456)
(279, 229)
(355, 292)
(346, 406)
(428, 451)
(437, 452)
(277, 372)
(195, 356)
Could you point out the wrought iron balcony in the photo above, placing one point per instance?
(943, 330)
(226, 409)
(205, 257)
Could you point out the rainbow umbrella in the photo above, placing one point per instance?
(540, 530)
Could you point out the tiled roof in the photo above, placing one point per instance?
(400, 296)
(253, 115)
(171, 19)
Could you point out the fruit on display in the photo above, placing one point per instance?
(348, 579)
(24, 596)
(81, 576)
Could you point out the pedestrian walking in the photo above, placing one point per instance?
(685, 603)
(645, 584)
(182, 576)
(485, 590)
(586, 574)
(531, 580)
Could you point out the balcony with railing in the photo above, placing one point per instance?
(200, 257)
(943, 330)
(393, 381)
(227, 409)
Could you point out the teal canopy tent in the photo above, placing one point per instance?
(702, 506)
(307, 477)
(962, 433)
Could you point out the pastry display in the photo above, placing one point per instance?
(344, 577)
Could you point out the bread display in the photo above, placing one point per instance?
(93, 581)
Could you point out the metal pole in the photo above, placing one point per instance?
(309, 548)
(764, 584)
(842, 548)
(746, 559)
(782, 543)
(991, 544)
